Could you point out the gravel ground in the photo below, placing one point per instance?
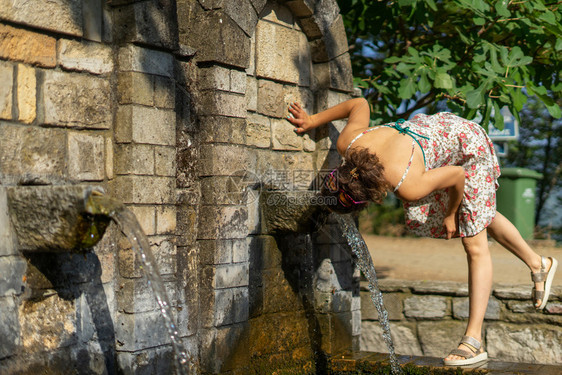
(442, 260)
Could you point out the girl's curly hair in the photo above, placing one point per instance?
(361, 177)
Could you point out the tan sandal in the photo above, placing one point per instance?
(546, 277)
(474, 355)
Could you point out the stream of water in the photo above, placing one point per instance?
(361, 252)
(131, 228)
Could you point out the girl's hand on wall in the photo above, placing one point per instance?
(299, 118)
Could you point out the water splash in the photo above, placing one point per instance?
(361, 252)
(129, 225)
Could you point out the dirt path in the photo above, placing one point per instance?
(441, 260)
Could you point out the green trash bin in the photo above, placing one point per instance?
(516, 198)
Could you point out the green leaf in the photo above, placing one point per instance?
(404, 3)
(479, 21)
(548, 17)
(554, 110)
(392, 59)
(474, 98)
(443, 81)
(498, 117)
(501, 8)
(558, 46)
(423, 83)
(431, 4)
(407, 88)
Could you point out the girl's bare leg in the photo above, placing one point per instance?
(479, 283)
(504, 232)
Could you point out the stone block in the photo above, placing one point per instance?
(243, 14)
(92, 17)
(270, 99)
(392, 303)
(144, 189)
(158, 360)
(280, 294)
(336, 39)
(223, 103)
(226, 348)
(276, 13)
(251, 69)
(341, 73)
(26, 46)
(258, 5)
(311, 28)
(238, 81)
(240, 251)
(301, 8)
(59, 16)
(231, 275)
(278, 333)
(87, 162)
(214, 78)
(217, 251)
(438, 338)
(26, 94)
(442, 288)
(86, 56)
(6, 90)
(403, 336)
(32, 154)
(221, 129)
(165, 253)
(535, 344)
(283, 136)
(7, 245)
(461, 305)
(143, 60)
(147, 125)
(186, 224)
(164, 92)
(148, 22)
(284, 43)
(223, 222)
(200, 26)
(231, 306)
(131, 158)
(12, 269)
(165, 161)
(136, 296)
(166, 219)
(225, 190)
(139, 331)
(251, 94)
(223, 160)
(146, 216)
(9, 327)
(519, 292)
(75, 100)
(135, 88)
(426, 307)
(48, 324)
(258, 131)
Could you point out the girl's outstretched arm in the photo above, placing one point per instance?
(357, 110)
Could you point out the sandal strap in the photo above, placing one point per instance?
(539, 277)
(462, 353)
(538, 294)
(472, 342)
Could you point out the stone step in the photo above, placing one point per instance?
(362, 362)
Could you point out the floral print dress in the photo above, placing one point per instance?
(455, 141)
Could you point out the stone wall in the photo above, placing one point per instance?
(429, 318)
(176, 109)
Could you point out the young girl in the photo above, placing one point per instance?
(445, 171)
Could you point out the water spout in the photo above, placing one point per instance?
(360, 250)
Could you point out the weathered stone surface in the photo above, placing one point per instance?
(7, 245)
(75, 100)
(520, 292)
(425, 307)
(32, 154)
(226, 348)
(9, 327)
(227, 190)
(258, 131)
(437, 339)
(283, 136)
(164, 92)
(12, 270)
(144, 189)
(85, 56)
(336, 38)
(270, 99)
(135, 88)
(524, 344)
(148, 22)
(223, 103)
(404, 338)
(441, 287)
(198, 27)
(278, 14)
(26, 93)
(231, 306)
(289, 211)
(165, 161)
(221, 251)
(48, 324)
(6, 90)
(461, 305)
(138, 331)
(166, 219)
(63, 16)
(147, 125)
(223, 160)
(243, 13)
(301, 8)
(521, 307)
(147, 361)
(310, 27)
(258, 5)
(223, 222)
(341, 73)
(137, 59)
(278, 293)
(232, 275)
(27, 46)
(146, 216)
(87, 162)
(554, 308)
(392, 303)
(222, 129)
(132, 158)
(251, 94)
(284, 44)
(136, 296)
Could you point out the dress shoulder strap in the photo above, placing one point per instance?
(408, 167)
(359, 136)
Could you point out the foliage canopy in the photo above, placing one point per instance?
(478, 55)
